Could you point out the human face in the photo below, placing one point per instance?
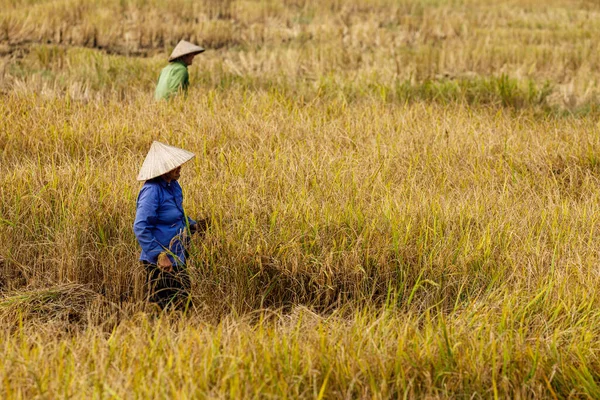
(172, 175)
(188, 59)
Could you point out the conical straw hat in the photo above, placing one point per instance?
(162, 158)
(184, 48)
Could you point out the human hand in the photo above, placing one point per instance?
(164, 263)
(201, 226)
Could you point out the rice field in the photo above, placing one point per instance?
(403, 199)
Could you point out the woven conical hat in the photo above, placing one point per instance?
(162, 158)
(184, 48)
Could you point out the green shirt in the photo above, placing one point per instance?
(173, 78)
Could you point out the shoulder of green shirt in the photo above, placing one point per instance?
(179, 67)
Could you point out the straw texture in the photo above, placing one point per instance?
(162, 158)
(183, 48)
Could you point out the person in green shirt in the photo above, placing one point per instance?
(174, 78)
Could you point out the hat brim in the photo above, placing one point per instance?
(173, 58)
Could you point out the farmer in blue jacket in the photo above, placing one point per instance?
(161, 226)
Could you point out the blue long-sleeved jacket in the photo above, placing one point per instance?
(160, 221)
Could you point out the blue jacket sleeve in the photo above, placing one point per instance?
(145, 221)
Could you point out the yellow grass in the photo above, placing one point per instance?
(403, 195)
(379, 46)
